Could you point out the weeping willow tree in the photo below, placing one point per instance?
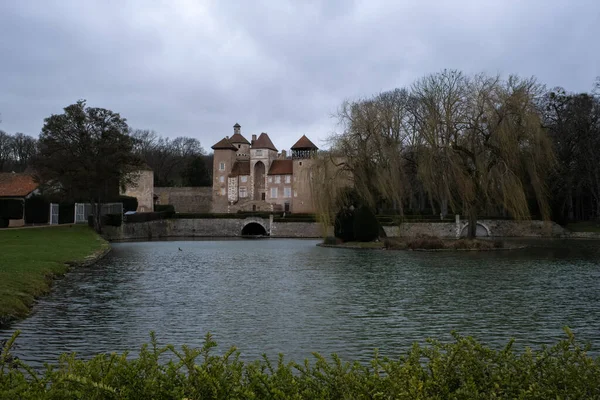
(481, 143)
(370, 149)
(329, 187)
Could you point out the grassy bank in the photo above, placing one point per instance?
(30, 257)
(462, 369)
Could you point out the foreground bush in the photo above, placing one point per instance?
(463, 369)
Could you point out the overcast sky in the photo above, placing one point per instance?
(195, 68)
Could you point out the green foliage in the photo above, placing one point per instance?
(461, 369)
(11, 208)
(365, 225)
(88, 151)
(37, 210)
(343, 227)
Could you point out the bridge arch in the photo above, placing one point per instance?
(480, 230)
(254, 229)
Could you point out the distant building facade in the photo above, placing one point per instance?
(254, 176)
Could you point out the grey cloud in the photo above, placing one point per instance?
(195, 68)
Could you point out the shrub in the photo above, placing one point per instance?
(426, 243)
(37, 210)
(460, 369)
(112, 219)
(344, 225)
(365, 225)
(146, 217)
(4, 222)
(11, 209)
(394, 244)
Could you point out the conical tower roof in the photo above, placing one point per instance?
(304, 143)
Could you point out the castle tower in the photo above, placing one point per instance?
(224, 158)
(262, 153)
(242, 144)
(303, 153)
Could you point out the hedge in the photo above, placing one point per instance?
(146, 217)
(164, 207)
(460, 369)
(112, 219)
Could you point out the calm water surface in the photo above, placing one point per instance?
(282, 295)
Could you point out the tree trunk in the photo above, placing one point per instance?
(96, 207)
(472, 227)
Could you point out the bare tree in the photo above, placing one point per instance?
(5, 149)
(171, 160)
(24, 149)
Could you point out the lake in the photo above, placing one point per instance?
(290, 296)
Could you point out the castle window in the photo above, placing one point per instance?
(270, 179)
(295, 193)
(288, 179)
(277, 179)
(287, 192)
(243, 192)
(221, 179)
(222, 166)
(273, 192)
(300, 163)
(244, 178)
(259, 152)
(222, 191)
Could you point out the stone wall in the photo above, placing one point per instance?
(142, 188)
(232, 227)
(493, 228)
(297, 229)
(186, 199)
(209, 227)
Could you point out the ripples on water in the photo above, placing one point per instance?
(282, 295)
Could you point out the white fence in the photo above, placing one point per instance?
(84, 210)
(53, 214)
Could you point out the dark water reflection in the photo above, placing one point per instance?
(293, 297)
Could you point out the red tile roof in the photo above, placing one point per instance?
(281, 167)
(238, 138)
(304, 143)
(240, 168)
(224, 144)
(263, 142)
(16, 185)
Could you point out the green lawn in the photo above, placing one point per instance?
(30, 257)
(586, 226)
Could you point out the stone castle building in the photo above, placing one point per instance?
(254, 176)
